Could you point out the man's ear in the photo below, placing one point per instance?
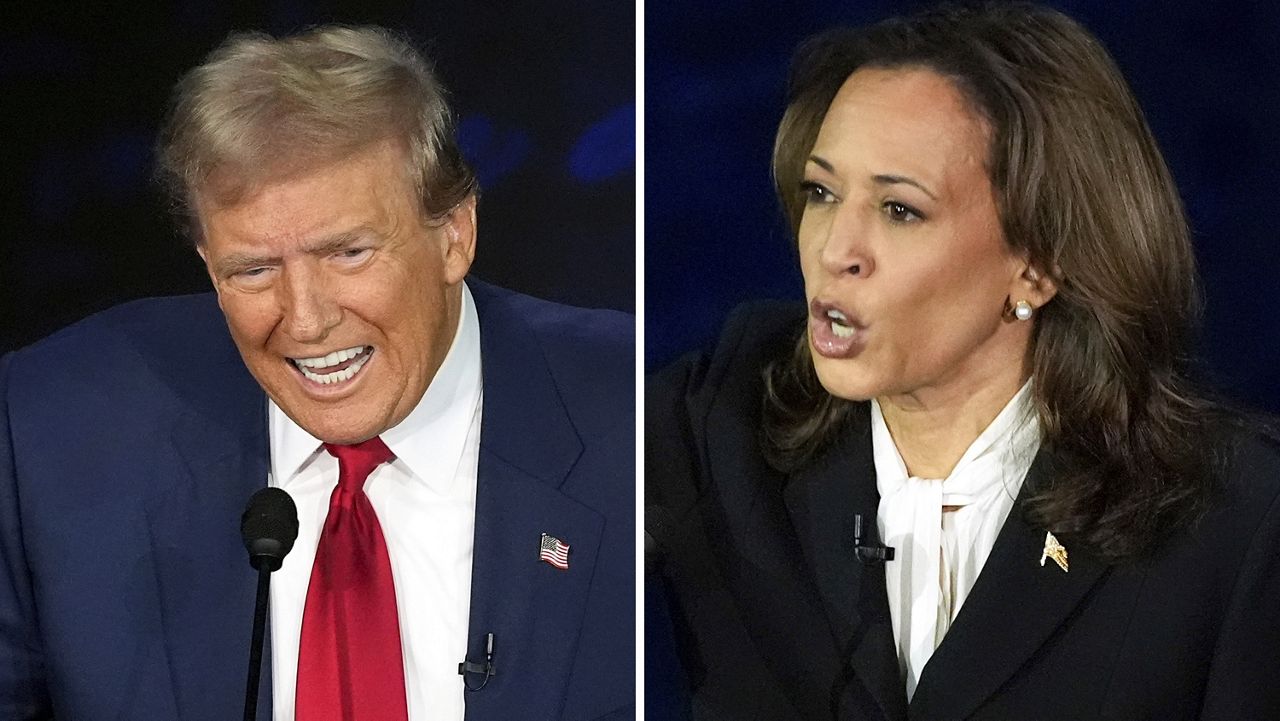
(204, 258)
(208, 268)
(459, 229)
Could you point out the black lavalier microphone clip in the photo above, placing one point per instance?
(869, 553)
(485, 669)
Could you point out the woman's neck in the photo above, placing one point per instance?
(932, 428)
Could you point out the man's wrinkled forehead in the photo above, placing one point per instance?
(234, 182)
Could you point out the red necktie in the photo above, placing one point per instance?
(349, 665)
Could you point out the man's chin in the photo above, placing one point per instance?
(342, 422)
(342, 432)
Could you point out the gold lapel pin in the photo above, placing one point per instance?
(1054, 550)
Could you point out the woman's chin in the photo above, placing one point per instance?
(845, 379)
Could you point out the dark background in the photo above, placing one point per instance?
(1206, 73)
(545, 93)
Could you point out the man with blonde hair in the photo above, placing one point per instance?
(461, 457)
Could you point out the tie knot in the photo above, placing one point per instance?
(356, 462)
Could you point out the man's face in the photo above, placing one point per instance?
(342, 299)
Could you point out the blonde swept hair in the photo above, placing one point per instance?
(261, 108)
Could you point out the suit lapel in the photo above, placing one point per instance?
(205, 585)
(959, 677)
(527, 448)
(822, 499)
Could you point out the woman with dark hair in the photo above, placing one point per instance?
(991, 381)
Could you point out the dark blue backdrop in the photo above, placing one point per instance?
(545, 94)
(1204, 72)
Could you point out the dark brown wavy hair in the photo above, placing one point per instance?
(1083, 190)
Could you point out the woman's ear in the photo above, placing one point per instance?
(1038, 286)
(1030, 281)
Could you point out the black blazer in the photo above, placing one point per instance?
(775, 618)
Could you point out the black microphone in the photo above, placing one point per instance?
(269, 526)
(486, 668)
(869, 553)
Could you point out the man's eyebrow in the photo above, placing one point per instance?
(236, 262)
(338, 241)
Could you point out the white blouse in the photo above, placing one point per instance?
(939, 555)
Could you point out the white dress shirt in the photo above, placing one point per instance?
(425, 500)
(939, 555)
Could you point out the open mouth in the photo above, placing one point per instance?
(841, 327)
(336, 367)
(835, 332)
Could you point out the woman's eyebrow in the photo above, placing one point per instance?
(821, 163)
(897, 179)
(879, 179)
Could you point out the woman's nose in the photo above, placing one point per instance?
(845, 247)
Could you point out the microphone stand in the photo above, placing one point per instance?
(268, 527)
(255, 646)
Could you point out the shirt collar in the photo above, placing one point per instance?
(431, 439)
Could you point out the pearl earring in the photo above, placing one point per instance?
(1022, 310)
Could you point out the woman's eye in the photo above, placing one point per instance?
(901, 213)
(816, 193)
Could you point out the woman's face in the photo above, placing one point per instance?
(906, 268)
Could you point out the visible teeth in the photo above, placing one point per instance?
(842, 331)
(332, 359)
(337, 376)
(836, 315)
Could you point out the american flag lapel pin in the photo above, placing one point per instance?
(555, 552)
(1054, 550)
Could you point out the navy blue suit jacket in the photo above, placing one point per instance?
(132, 440)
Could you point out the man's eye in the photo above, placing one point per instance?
(252, 278)
(352, 254)
(816, 193)
(900, 212)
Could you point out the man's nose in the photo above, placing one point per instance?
(308, 305)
